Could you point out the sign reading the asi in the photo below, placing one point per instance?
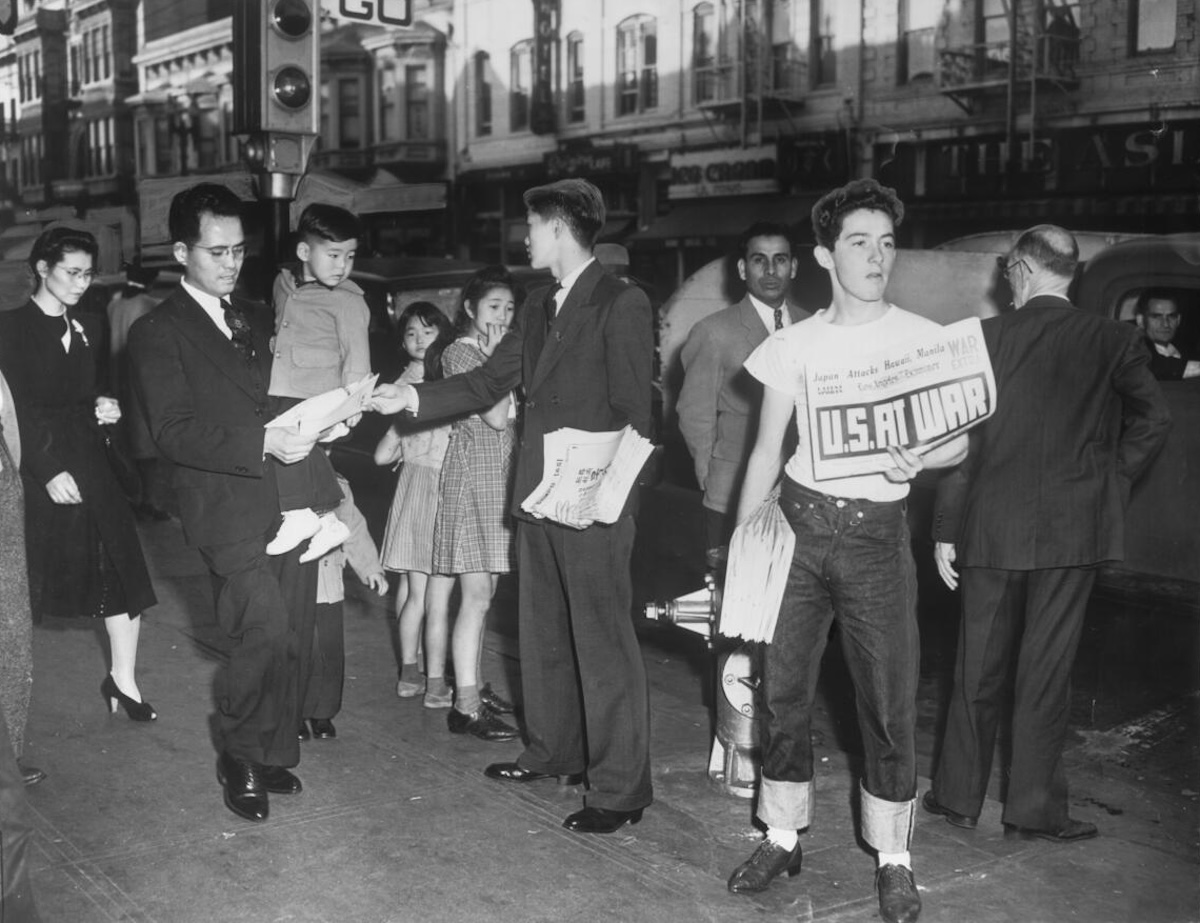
(382, 12)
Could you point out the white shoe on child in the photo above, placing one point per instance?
(297, 526)
(331, 534)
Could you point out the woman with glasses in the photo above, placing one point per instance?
(84, 555)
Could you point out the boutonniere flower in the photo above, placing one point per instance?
(79, 329)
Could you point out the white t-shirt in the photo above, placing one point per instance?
(779, 363)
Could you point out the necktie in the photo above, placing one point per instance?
(239, 327)
(551, 305)
(779, 318)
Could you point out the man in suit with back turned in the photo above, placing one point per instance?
(201, 365)
(718, 403)
(582, 348)
(1037, 505)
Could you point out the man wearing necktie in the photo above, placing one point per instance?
(584, 354)
(201, 364)
(718, 402)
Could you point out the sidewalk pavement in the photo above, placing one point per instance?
(397, 823)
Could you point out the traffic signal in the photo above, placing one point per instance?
(276, 66)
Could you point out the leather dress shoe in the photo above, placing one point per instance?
(280, 781)
(1069, 832)
(303, 733)
(495, 702)
(322, 728)
(765, 864)
(31, 775)
(930, 804)
(514, 772)
(242, 782)
(601, 820)
(899, 901)
(482, 723)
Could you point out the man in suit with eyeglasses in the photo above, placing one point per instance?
(202, 364)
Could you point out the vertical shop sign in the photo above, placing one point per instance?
(545, 42)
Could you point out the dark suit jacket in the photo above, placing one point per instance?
(1078, 417)
(591, 369)
(1167, 368)
(719, 401)
(206, 409)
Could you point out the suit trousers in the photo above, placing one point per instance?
(323, 663)
(852, 564)
(264, 605)
(582, 675)
(1037, 617)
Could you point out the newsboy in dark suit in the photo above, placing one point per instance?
(1038, 503)
(201, 364)
(718, 403)
(582, 349)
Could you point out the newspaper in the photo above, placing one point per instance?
(917, 394)
(760, 556)
(319, 413)
(587, 474)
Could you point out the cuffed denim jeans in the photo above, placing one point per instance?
(852, 563)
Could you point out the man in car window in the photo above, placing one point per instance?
(1158, 316)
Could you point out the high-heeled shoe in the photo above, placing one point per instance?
(137, 711)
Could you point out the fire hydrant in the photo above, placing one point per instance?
(734, 760)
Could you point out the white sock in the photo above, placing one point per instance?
(895, 858)
(784, 839)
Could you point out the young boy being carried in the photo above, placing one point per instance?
(321, 322)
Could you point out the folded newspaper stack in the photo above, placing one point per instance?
(587, 475)
(319, 413)
(760, 556)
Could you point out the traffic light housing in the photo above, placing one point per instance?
(276, 66)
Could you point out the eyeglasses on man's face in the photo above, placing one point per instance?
(1006, 267)
(237, 251)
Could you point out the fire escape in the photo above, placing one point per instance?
(745, 69)
(1040, 53)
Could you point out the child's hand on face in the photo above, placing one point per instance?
(490, 340)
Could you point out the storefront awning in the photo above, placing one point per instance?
(725, 217)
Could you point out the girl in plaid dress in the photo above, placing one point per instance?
(472, 534)
(408, 538)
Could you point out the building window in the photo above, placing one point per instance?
(483, 94)
(918, 32)
(576, 100)
(637, 65)
(824, 38)
(388, 113)
(349, 114)
(1060, 42)
(520, 85)
(1152, 25)
(29, 76)
(416, 102)
(993, 21)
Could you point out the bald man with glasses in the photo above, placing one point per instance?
(1023, 523)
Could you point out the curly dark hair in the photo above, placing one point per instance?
(832, 208)
(479, 285)
(430, 315)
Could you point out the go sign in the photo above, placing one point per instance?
(383, 12)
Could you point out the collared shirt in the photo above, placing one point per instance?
(212, 307)
(1170, 350)
(567, 281)
(767, 314)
